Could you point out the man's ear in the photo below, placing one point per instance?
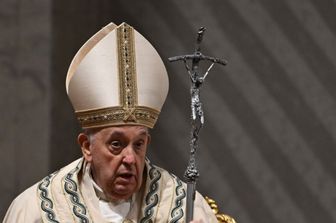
(84, 142)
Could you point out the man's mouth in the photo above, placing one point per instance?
(126, 175)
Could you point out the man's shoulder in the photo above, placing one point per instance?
(173, 191)
(27, 195)
(166, 175)
(29, 200)
(31, 191)
(24, 203)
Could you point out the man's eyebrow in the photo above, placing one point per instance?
(143, 133)
(116, 133)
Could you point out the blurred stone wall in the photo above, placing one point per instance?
(25, 48)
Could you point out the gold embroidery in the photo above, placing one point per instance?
(129, 115)
(140, 115)
(127, 71)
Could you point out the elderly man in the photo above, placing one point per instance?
(117, 84)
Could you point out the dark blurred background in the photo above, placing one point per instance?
(267, 151)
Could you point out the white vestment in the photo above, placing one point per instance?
(68, 195)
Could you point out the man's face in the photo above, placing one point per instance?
(117, 157)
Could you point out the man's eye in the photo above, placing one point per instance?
(139, 144)
(116, 144)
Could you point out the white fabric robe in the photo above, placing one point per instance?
(68, 196)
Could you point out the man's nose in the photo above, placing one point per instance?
(128, 155)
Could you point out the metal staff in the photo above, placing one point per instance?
(197, 115)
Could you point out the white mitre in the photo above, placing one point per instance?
(117, 78)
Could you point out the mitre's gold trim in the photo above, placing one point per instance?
(127, 68)
(139, 115)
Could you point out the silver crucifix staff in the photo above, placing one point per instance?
(197, 116)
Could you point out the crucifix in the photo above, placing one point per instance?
(197, 114)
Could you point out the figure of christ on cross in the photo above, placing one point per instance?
(197, 114)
